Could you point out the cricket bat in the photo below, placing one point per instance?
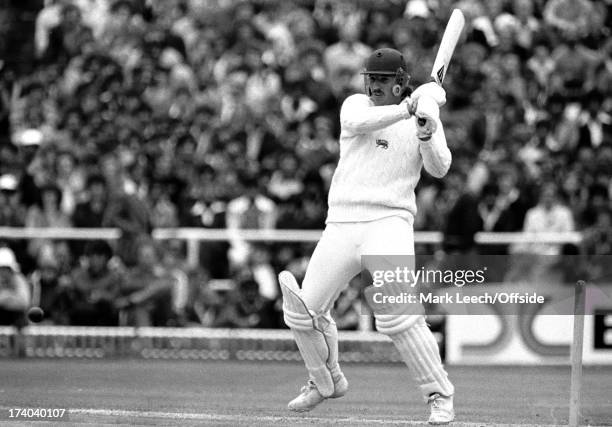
(447, 46)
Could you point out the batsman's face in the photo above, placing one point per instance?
(381, 89)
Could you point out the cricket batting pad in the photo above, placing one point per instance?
(419, 350)
(316, 336)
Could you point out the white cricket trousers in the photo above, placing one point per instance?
(337, 257)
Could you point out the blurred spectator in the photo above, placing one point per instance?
(307, 211)
(595, 122)
(549, 215)
(598, 203)
(572, 18)
(284, 183)
(49, 215)
(471, 65)
(164, 213)
(541, 64)
(508, 204)
(464, 220)
(347, 55)
(427, 196)
(263, 84)
(90, 213)
(503, 206)
(323, 18)
(574, 65)
(125, 211)
(598, 237)
(11, 164)
(211, 302)
(296, 105)
(14, 290)
(146, 293)
(379, 29)
(317, 145)
(206, 208)
(174, 261)
(488, 208)
(67, 37)
(49, 287)
(251, 210)
(119, 24)
(94, 287)
(70, 180)
(28, 143)
(488, 125)
(263, 274)
(12, 212)
(563, 131)
(249, 309)
(48, 18)
(521, 24)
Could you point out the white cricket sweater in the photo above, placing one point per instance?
(380, 162)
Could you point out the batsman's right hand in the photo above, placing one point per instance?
(427, 113)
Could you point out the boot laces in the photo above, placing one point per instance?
(309, 386)
(435, 401)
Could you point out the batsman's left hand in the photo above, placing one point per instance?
(432, 90)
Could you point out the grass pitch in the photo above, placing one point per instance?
(147, 392)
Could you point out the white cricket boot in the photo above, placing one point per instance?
(442, 411)
(310, 397)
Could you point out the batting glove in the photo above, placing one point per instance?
(427, 113)
(431, 89)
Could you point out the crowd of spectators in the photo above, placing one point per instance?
(140, 114)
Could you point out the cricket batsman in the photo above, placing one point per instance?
(386, 138)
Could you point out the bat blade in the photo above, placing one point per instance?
(447, 46)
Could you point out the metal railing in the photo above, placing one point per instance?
(193, 236)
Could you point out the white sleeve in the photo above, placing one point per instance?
(436, 155)
(358, 115)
